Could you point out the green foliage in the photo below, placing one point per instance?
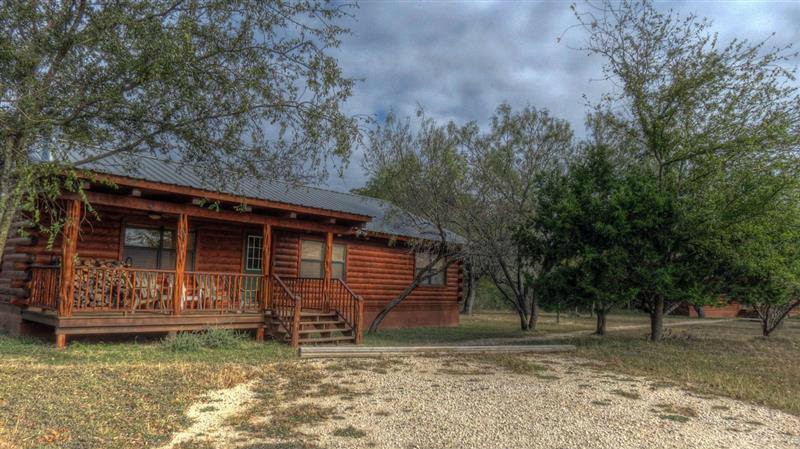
(211, 338)
(714, 127)
(238, 89)
(762, 263)
(488, 297)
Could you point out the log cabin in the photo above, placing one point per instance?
(149, 255)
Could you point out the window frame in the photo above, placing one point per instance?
(430, 281)
(321, 261)
(191, 247)
(258, 253)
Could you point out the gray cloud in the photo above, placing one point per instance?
(459, 60)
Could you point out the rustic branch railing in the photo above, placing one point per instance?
(44, 286)
(122, 289)
(99, 289)
(233, 292)
(104, 289)
(348, 305)
(286, 308)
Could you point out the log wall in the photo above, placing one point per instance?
(379, 273)
(374, 270)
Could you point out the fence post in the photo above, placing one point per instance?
(298, 309)
(360, 321)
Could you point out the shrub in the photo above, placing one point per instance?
(212, 338)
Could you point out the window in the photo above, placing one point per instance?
(421, 261)
(154, 248)
(312, 257)
(253, 253)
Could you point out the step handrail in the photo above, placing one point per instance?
(349, 306)
(280, 315)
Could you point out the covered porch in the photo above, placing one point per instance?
(77, 295)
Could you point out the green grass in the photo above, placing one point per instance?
(112, 395)
(497, 325)
(477, 326)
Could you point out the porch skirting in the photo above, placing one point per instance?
(144, 322)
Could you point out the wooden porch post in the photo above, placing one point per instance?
(266, 241)
(326, 270)
(69, 247)
(180, 262)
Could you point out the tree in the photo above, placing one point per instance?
(701, 117)
(507, 164)
(480, 185)
(238, 89)
(763, 264)
(580, 226)
(420, 173)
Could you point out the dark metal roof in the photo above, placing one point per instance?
(385, 217)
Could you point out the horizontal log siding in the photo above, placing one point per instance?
(15, 268)
(379, 273)
(286, 254)
(219, 247)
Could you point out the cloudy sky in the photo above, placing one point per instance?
(460, 59)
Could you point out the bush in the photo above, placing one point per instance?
(212, 338)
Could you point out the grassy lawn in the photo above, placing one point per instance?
(729, 359)
(112, 395)
(489, 325)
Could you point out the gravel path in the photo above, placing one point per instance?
(457, 402)
(209, 414)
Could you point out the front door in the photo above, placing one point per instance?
(253, 262)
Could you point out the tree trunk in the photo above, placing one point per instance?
(601, 321)
(558, 314)
(534, 316)
(469, 300)
(701, 311)
(656, 318)
(392, 304)
(765, 330)
(524, 324)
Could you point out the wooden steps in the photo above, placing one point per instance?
(316, 327)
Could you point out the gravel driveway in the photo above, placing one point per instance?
(566, 403)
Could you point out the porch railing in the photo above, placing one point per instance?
(106, 289)
(222, 291)
(103, 289)
(311, 290)
(99, 289)
(338, 297)
(286, 308)
(348, 305)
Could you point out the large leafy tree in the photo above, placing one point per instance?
(237, 88)
(507, 164)
(704, 118)
(481, 185)
(421, 173)
(762, 264)
(582, 227)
